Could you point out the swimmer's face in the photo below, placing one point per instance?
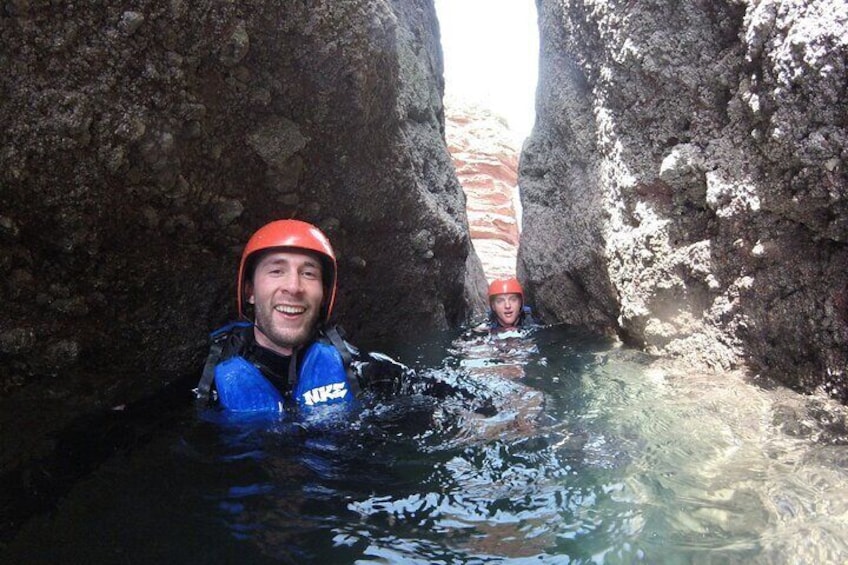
(507, 307)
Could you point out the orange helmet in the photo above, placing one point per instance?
(505, 286)
(297, 234)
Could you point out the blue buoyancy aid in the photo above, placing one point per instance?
(241, 387)
(322, 376)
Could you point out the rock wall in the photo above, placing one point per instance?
(142, 145)
(486, 162)
(685, 184)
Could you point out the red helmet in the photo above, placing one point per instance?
(505, 286)
(297, 234)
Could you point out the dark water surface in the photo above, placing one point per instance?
(562, 449)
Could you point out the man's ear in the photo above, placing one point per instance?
(248, 292)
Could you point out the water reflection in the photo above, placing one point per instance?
(547, 447)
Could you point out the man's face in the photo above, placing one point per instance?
(507, 307)
(287, 293)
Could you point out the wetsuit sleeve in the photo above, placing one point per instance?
(380, 374)
(384, 377)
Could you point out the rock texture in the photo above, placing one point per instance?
(685, 184)
(486, 162)
(142, 145)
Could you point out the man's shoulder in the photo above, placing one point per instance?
(231, 339)
(236, 327)
(530, 318)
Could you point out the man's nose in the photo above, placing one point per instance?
(291, 282)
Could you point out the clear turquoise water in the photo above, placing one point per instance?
(565, 449)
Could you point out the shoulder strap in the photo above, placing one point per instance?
(335, 338)
(204, 387)
(292, 376)
(220, 339)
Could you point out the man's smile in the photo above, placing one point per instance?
(290, 309)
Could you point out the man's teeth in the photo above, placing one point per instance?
(290, 309)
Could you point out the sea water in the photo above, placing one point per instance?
(549, 446)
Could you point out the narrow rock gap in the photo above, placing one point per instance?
(490, 53)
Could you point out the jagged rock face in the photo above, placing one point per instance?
(486, 162)
(685, 183)
(141, 148)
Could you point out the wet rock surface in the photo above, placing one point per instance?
(685, 183)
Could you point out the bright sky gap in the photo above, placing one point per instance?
(491, 53)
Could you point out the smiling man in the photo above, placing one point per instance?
(289, 356)
(287, 294)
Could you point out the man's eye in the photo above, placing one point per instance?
(310, 274)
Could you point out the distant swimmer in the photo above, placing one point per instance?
(507, 310)
(494, 354)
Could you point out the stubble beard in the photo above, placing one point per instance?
(285, 337)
